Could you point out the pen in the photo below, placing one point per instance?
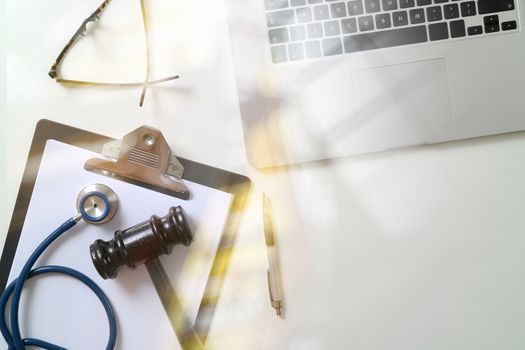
(274, 281)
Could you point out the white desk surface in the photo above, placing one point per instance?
(408, 249)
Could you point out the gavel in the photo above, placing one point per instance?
(140, 243)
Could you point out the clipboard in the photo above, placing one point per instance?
(191, 335)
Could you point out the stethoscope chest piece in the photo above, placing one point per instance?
(97, 203)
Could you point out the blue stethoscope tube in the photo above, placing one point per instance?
(13, 337)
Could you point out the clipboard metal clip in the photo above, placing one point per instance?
(142, 157)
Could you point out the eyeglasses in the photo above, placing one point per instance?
(82, 31)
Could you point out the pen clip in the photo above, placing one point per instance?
(269, 234)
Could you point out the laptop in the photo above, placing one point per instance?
(319, 79)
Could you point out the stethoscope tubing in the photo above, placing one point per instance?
(13, 337)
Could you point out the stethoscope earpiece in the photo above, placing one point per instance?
(97, 203)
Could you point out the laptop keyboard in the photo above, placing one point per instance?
(307, 29)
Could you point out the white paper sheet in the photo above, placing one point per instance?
(61, 310)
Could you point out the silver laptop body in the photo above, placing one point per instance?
(319, 79)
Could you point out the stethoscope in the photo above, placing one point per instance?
(96, 204)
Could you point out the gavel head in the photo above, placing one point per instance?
(141, 243)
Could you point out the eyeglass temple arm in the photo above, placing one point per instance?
(145, 20)
(81, 31)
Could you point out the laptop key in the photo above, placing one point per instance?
(438, 31)
(304, 14)
(372, 6)
(457, 29)
(424, 2)
(492, 6)
(338, 10)
(366, 23)
(440, 1)
(315, 30)
(434, 14)
(404, 4)
(389, 5)
(313, 49)
(355, 7)
(275, 4)
(400, 18)
(321, 12)
(510, 25)
(383, 21)
(280, 18)
(278, 36)
(386, 38)
(295, 51)
(491, 23)
(332, 47)
(279, 54)
(417, 16)
(297, 2)
(297, 33)
(468, 8)
(451, 11)
(475, 30)
(349, 25)
(331, 28)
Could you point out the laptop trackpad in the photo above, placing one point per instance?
(403, 98)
